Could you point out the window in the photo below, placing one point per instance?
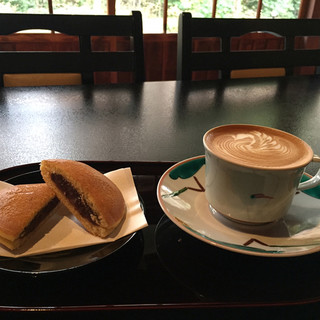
(160, 16)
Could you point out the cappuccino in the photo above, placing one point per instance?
(258, 147)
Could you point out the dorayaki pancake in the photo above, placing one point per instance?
(22, 209)
(88, 194)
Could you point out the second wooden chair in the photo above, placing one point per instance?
(228, 61)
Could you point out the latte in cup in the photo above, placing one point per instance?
(253, 172)
(258, 147)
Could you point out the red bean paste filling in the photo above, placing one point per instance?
(75, 198)
(39, 217)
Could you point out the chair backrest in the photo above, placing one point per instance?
(225, 59)
(85, 60)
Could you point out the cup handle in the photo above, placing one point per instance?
(313, 182)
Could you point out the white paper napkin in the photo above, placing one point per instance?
(62, 231)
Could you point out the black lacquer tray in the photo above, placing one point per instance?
(161, 271)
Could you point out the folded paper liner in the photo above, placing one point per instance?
(62, 231)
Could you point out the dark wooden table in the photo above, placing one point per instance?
(154, 121)
(162, 272)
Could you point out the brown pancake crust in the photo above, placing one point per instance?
(19, 205)
(99, 193)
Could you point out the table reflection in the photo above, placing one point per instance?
(212, 273)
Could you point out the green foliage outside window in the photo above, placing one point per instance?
(280, 9)
(152, 10)
(24, 6)
(41, 6)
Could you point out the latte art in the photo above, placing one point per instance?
(256, 142)
(254, 145)
(258, 146)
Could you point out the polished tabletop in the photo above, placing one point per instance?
(153, 121)
(151, 126)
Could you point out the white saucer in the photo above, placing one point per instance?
(181, 195)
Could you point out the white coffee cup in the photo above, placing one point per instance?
(253, 172)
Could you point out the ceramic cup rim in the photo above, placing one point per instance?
(273, 168)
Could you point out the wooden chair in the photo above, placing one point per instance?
(229, 62)
(83, 62)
